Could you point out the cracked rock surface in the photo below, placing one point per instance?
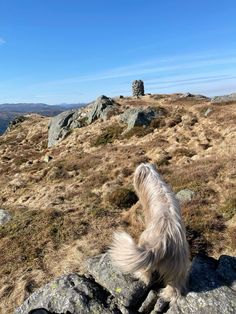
(106, 290)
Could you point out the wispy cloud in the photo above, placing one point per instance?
(154, 67)
(189, 83)
(191, 73)
(2, 41)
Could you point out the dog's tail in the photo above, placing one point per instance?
(127, 256)
(131, 258)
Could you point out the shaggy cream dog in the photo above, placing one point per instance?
(162, 246)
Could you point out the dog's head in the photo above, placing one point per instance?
(141, 174)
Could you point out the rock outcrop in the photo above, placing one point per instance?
(69, 294)
(224, 98)
(212, 287)
(104, 107)
(139, 116)
(105, 289)
(66, 121)
(59, 126)
(189, 95)
(15, 122)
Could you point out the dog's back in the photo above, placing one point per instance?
(162, 246)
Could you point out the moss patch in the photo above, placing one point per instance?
(108, 135)
(228, 209)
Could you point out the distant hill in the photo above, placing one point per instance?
(9, 111)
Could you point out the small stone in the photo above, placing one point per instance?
(47, 158)
(185, 195)
(207, 112)
(4, 216)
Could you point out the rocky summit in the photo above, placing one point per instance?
(66, 186)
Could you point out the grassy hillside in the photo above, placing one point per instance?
(66, 209)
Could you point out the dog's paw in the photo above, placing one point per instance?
(143, 276)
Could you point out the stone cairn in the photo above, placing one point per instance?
(138, 88)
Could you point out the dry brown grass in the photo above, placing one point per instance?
(60, 207)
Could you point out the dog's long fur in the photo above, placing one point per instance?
(162, 246)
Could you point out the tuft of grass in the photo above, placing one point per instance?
(57, 173)
(108, 135)
(182, 151)
(163, 160)
(122, 197)
(228, 209)
(232, 237)
(99, 211)
(158, 122)
(176, 119)
(127, 171)
(138, 131)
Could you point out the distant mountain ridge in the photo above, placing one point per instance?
(9, 111)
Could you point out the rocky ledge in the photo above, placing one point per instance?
(212, 290)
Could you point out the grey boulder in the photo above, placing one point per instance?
(207, 112)
(139, 116)
(60, 126)
(102, 108)
(68, 294)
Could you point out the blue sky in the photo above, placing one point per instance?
(57, 51)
